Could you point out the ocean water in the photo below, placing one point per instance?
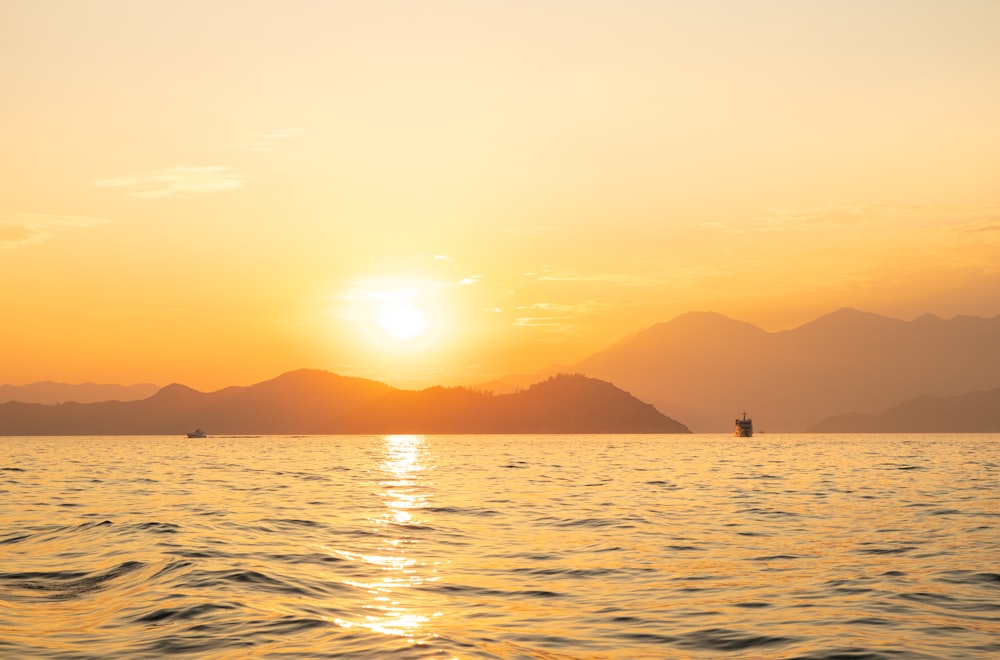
(617, 546)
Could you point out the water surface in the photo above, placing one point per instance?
(615, 546)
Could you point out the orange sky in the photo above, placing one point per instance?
(216, 192)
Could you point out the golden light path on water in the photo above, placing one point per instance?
(393, 611)
(571, 546)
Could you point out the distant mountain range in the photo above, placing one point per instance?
(49, 392)
(975, 412)
(319, 402)
(705, 368)
(847, 371)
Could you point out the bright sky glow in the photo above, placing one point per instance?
(401, 319)
(207, 194)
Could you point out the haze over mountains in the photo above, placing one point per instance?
(50, 392)
(705, 368)
(319, 402)
(975, 412)
(847, 371)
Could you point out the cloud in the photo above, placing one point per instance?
(264, 144)
(827, 215)
(624, 279)
(175, 180)
(811, 218)
(863, 216)
(282, 133)
(548, 273)
(27, 229)
(984, 224)
(526, 231)
(560, 318)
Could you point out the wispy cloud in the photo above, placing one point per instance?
(811, 218)
(27, 229)
(826, 215)
(623, 279)
(526, 230)
(863, 216)
(264, 142)
(282, 133)
(987, 223)
(558, 318)
(180, 179)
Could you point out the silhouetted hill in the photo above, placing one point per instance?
(296, 402)
(974, 412)
(301, 401)
(50, 392)
(705, 368)
(516, 382)
(315, 402)
(561, 404)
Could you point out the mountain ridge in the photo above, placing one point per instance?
(705, 367)
(702, 367)
(48, 391)
(972, 412)
(309, 401)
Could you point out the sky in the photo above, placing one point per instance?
(214, 192)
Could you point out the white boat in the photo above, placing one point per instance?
(197, 433)
(744, 427)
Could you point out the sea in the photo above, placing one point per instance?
(843, 547)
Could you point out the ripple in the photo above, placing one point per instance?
(851, 654)
(723, 639)
(183, 613)
(886, 551)
(15, 539)
(61, 585)
(604, 547)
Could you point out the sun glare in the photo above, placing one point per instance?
(401, 319)
(394, 314)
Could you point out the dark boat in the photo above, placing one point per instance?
(197, 433)
(744, 427)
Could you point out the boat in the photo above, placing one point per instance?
(197, 433)
(744, 427)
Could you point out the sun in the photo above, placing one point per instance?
(400, 318)
(393, 314)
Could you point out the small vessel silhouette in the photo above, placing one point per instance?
(744, 427)
(197, 433)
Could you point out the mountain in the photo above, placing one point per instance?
(297, 402)
(319, 402)
(706, 368)
(49, 392)
(973, 412)
(561, 404)
(516, 382)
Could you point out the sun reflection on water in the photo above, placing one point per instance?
(394, 608)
